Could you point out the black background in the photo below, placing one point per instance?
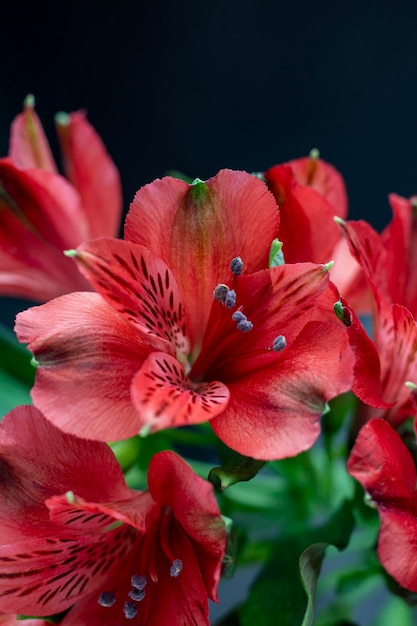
(198, 86)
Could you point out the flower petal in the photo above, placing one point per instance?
(380, 461)
(164, 397)
(324, 178)
(29, 147)
(307, 228)
(46, 562)
(367, 372)
(172, 482)
(86, 363)
(198, 229)
(90, 169)
(274, 412)
(29, 475)
(278, 301)
(397, 549)
(140, 287)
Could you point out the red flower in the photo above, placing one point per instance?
(310, 193)
(72, 532)
(42, 213)
(382, 464)
(157, 349)
(386, 264)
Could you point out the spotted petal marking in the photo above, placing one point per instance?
(44, 576)
(165, 397)
(139, 286)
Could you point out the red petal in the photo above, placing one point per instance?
(274, 412)
(197, 230)
(172, 482)
(44, 203)
(325, 179)
(90, 169)
(29, 147)
(66, 464)
(398, 353)
(87, 363)
(382, 464)
(367, 372)
(307, 228)
(164, 397)
(399, 238)
(140, 287)
(367, 248)
(45, 564)
(397, 548)
(279, 301)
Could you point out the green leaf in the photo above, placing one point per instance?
(310, 566)
(12, 393)
(240, 470)
(15, 359)
(284, 592)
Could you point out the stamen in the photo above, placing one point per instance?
(136, 594)
(130, 610)
(280, 343)
(176, 568)
(107, 599)
(236, 266)
(139, 582)
(221, 292)
(242, 322)
(244, 326)
(237, 316)
(230, 299)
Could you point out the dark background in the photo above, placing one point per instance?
(198, 86)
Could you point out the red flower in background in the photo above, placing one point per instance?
(381, 462)
(188, 326)
(72, 532)
(43, 213)
(310, 193)
(387, 262)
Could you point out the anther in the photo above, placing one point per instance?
(130, 610)
(238, 316)
(107, 599)
(136, 594)
(139, 582)
(236, 266)
(221, 292)
(176, 568)
(244, 326)
(280, 343)
(230, 299)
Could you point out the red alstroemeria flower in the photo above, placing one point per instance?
(178, 334)
(310, 193)
(394, 327)
(73, 533)
(381, 462)
(42, 213)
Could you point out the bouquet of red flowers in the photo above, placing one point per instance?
(212, 394)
